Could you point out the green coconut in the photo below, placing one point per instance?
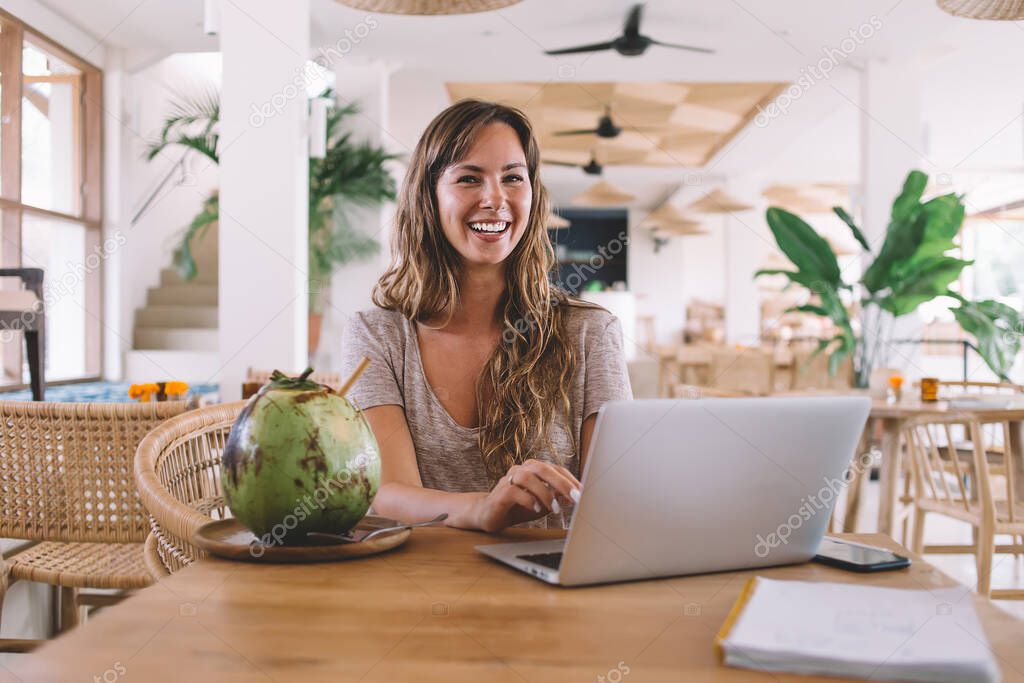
(299, 458)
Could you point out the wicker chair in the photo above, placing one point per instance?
(66, 475)
(177, 471)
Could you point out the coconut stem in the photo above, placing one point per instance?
(355, 375)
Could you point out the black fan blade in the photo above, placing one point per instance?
(559, 163)
(632, 27)
(588, 131)
(683, 47)
(596, 47)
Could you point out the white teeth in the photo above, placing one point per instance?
(488, 227)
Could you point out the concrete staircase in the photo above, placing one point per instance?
(175, 335)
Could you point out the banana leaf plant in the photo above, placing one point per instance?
(350, 174)
(912, 267)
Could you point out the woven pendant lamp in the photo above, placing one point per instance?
(718, 201)
(999, 10)
(428, 7)
(556, 222)
(603, 194)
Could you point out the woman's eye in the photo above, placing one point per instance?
(514, 178)
(467, 179)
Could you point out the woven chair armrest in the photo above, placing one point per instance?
(175, 516)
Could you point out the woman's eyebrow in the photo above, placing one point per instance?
(472, 167)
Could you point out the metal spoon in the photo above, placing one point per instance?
(376, 532)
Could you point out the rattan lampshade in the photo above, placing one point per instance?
(1001, 10)
(428, 7)
(672, 218)
(603, 194)
(717, 201)
(556, 222)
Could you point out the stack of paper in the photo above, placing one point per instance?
(857, 631)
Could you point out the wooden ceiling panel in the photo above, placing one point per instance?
(663, 123)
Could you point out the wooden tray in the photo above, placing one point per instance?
(229, 539)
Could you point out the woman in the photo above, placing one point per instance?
(484, 380)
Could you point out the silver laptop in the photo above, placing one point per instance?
(677, 487)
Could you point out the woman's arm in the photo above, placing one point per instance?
(402, 496)
(586, 433)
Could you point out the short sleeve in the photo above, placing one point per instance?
(378, 385)
(607, 378)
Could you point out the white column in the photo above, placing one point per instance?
(747, 242)
(891, 145)
(263, 260)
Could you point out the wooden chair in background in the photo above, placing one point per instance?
(68, 486)
(22, 310)
(810, 371)
(254, 379)
(982, 491)
(750, 371)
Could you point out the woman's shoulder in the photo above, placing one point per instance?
(380, 323)
(583, 317)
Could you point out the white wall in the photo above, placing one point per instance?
(142, 100)
(353, 283)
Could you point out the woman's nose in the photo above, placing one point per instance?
(493, 195)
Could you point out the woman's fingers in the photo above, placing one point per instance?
(558, 478)
(524, 478)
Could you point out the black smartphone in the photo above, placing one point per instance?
(855, 557)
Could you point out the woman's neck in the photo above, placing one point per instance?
(481, 291)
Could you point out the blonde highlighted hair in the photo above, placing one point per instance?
(525, 384)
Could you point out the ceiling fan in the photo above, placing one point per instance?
(606, 127)
(631, 43)
(590, 168)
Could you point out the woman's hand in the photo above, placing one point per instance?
(528, 491)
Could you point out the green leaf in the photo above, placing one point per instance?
(928, 279)
(908, 202)
(808, 251)
(857, 234)
(996, 329)
(902, 239)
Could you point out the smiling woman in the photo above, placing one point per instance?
(485, 380)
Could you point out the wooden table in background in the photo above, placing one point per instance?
(893, 418)
(436, 610)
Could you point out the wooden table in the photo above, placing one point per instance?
(893, 418)
(435, 610)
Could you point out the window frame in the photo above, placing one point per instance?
(89, 171)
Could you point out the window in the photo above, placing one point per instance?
(50, 195)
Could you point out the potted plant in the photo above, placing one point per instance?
(350, 174)
(912, 267)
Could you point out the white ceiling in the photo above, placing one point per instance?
(755, 40)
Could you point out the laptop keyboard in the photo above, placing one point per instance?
(549, 560)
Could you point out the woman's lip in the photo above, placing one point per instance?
(492, 236)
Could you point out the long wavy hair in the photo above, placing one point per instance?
(525, 384)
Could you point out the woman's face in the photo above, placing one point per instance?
(484, 199)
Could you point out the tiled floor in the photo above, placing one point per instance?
(1007, 570)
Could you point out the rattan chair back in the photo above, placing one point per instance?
(177, 471)
(66, 469)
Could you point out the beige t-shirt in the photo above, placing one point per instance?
(447, 454)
